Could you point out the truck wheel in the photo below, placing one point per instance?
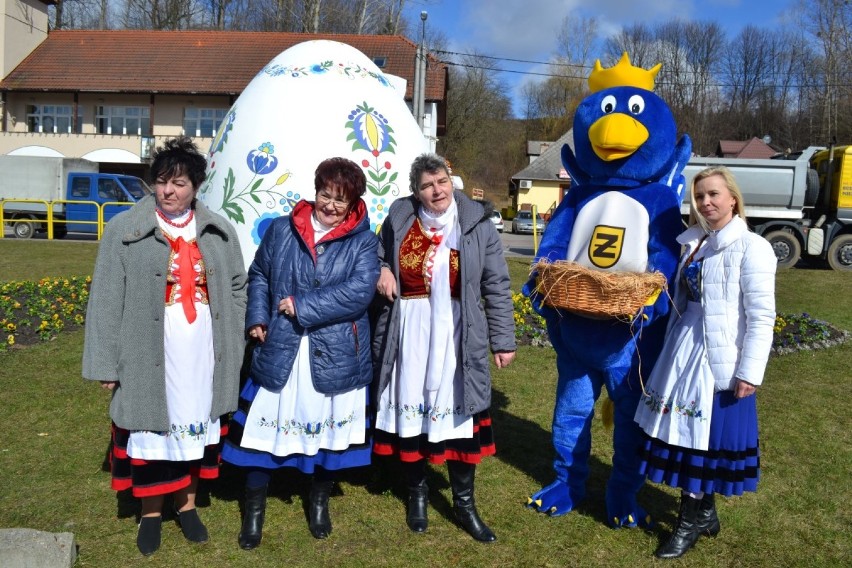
(840, 253)
(786, 246)
(24, 229)
(812, 188)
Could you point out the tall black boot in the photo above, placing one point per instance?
(418, 496)
(251, 532)
(707, 520)
(461, 479)
(685, 534)
(319, 521)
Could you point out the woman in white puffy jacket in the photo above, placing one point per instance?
(699, 408)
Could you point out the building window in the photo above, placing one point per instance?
(133, 121)
(380, 61)
(57, 119)
(202, 122)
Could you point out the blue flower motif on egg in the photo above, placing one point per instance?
(370, 130)
(260, 160)
(320, 68)
(289, 201)
(261, 224)
(378, 207)
(348, 69)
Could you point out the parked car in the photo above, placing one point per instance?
(523, 223)
(497, 219)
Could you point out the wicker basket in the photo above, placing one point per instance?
(595, 293)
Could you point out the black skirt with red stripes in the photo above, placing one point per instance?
(149, 478)
(468, 450)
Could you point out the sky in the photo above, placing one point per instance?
(527, 29)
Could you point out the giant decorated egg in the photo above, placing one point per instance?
(316, 100)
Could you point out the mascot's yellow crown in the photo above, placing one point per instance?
(623, 74)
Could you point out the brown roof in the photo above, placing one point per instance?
(757, 148)
(202, 62)
(754, 148)
(730, 148)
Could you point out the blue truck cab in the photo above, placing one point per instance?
(69, 191)
(113, 193)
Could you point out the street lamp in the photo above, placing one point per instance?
(420, 75)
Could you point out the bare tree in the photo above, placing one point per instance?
(829, 22)
(160, 14)
(477, 109)
(76, 14)
(637, 40)
(577, 39)
(550, 104)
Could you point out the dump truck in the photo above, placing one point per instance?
(802, 205)
(71, 189)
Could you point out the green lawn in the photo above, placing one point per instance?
(55, 433)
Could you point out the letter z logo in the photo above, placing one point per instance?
(605, 245)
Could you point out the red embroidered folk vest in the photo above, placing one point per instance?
(416, 255)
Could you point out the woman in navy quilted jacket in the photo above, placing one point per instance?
(305, 403)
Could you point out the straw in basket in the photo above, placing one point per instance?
(595, 293)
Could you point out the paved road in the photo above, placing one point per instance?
(518, 245)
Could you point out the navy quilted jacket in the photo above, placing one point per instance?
(332, 283)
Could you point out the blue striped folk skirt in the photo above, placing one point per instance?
(731, 464)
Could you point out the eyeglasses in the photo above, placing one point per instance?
(324, 199)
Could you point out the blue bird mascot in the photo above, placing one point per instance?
(622, 214)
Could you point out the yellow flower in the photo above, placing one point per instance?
(11, 339)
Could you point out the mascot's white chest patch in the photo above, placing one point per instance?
(611, 233)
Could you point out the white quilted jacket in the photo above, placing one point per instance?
(738, 298)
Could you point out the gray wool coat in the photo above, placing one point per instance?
(487, 315)
(124, 319)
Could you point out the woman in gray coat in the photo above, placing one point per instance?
(445, 300)
(164, 333)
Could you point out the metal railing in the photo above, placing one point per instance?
(47, 216)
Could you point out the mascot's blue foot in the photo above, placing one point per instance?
(555, 499)
(626, 514)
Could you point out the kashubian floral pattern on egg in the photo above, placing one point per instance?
(316, 100)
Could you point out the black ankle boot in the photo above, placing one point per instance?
(319, 521)
(148, 537)
(251, 532)
(461, 479)
(418, 503)
(191, 526)
(685, 534)
(707, 520)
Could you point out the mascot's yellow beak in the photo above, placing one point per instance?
(616, 136)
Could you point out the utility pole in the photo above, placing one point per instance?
(419, 102)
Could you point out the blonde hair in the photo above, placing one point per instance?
(730, 183)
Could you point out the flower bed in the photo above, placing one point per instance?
(793, 332)
(31, 312)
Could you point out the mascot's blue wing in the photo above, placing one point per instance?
(569, 162)
(674, 178)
